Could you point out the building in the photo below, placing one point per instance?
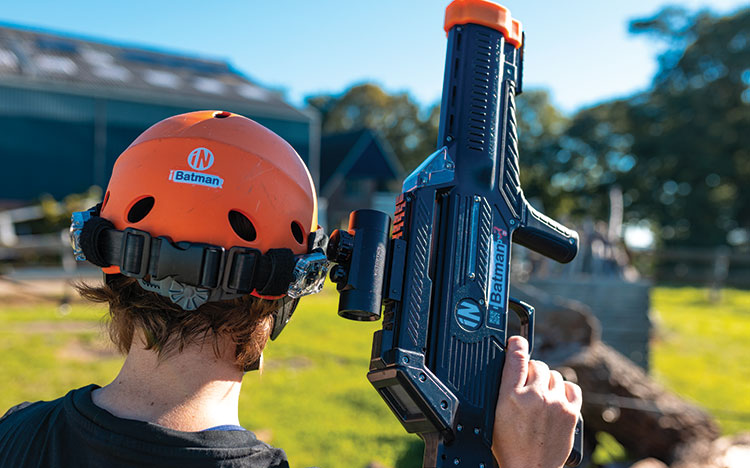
(69, 106)
(357, 170)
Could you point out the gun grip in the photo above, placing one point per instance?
(546, 236)
(576, 454)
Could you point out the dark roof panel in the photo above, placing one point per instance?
(355, 154)
(55, 44)
(372, 164)
(333, 149)
(174, 61)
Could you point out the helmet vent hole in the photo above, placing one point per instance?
(140, 209)
(222, 114)
(299, 236)
(242, 226)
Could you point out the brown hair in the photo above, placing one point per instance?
(168, 328)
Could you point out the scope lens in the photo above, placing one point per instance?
(359, 315)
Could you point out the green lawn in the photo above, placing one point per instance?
(313, 398)
(703, 351)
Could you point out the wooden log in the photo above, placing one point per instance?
(618, 396)
(563, 327)
(727, 452)
(620, 399)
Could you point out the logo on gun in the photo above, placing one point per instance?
(468, 314)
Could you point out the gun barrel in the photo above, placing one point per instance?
(480, 67)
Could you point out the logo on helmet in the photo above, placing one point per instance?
(201, 159)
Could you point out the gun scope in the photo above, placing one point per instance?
(360, 253)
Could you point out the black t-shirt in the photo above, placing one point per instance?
(73, 432)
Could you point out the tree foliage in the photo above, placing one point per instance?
(396, 117)
(680, 151)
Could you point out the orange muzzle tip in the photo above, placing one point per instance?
(485, 13)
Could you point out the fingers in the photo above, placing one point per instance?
(539, 376)
(520, 372)
(556, 382)
(573, 394)
(516, 368)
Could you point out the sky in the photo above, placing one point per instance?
(580, 50)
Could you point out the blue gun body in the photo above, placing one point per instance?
(438, 359)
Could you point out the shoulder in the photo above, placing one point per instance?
(236, 449)
(13, 409)
(40, 409)
(26, 430)
(36, 413)
(30, 413)
(269, 456)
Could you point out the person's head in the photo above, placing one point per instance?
(199, 233)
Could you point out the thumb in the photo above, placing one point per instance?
(516, 367)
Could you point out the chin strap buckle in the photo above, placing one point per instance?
(135, 251)
(190, 263)
(239, 271)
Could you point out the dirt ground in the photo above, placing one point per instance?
(46, 285)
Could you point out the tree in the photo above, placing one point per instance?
(396, 117)
(693, 131)
(413, 133)
(681, 151)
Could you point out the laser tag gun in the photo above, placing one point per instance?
(443, 274)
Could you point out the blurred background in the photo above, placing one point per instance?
(634, 129)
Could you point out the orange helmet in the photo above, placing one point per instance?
(213, 177)
(206, 206)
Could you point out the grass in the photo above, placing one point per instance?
(313, 398)
(703, 351)
(45, 353)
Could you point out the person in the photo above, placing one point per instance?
(192, 318)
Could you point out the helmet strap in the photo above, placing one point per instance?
(191, 274)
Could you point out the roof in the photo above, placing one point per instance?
(358, 154)
(34, 57)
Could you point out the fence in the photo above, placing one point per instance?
(715, 267)
(14, 246)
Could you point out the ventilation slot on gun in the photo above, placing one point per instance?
(452, 101)
(511, 179)
(480, 98)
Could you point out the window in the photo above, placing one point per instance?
(252, 92)
(209, 85)
(111, 71)
(161, 78)
(8, 59)
(55, 64)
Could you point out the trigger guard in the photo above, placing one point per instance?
(525, 313)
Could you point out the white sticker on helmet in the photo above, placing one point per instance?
(199, 159)
(190, 177)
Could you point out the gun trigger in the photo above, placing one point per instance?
(525, 313)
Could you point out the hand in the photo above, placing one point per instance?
(536, 412)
